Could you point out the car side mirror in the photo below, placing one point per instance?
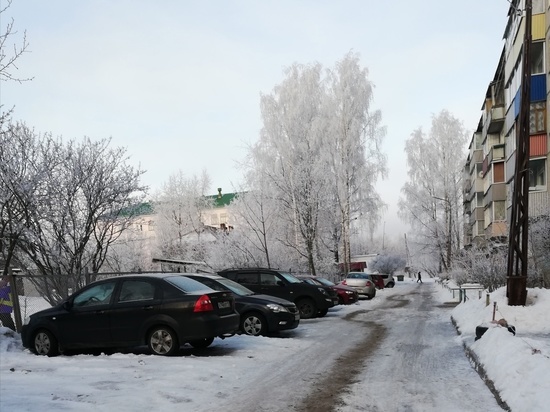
(67, 305)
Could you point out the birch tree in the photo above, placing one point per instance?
(290, 147)
(354, 153)
(431, 197)
(180, 207)
(319, 150)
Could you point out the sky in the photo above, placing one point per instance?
(178, 83)
(231, 369)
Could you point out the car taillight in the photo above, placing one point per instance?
(203, 304)
(368, 283)
(344, 282)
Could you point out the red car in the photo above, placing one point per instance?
(346, 295)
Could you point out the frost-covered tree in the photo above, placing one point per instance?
(68, 203)
(388, 263)
(319, 152)
(539, 247)
(431, 198)
(484, 264)
(10, 53)
(180, 207)
(353, 142)
(289, 153)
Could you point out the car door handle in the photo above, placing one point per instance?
(147, 307)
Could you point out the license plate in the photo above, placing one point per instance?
(224, 305)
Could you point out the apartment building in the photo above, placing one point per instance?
(490, 165)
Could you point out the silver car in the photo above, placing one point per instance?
(362, 283)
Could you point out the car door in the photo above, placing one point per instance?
(86, 323)
(249, 279)
(272, 284)
(135, 302)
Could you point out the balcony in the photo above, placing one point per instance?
(496, 192)
(496, 229)
(497, 153)
(495, 119)
(477, 216)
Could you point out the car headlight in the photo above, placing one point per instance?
(276, 308)
(323, 291)
(349, 292)
(27, 320)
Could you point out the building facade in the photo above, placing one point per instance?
(491, 162)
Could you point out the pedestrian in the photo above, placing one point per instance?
(6, 304)
(419, 278)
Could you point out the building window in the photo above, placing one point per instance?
(214, 221)
(537, 118)
(223, 218)
(537, 58)
(498, 172)
(537, 174)
(499, 212)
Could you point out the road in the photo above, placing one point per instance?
(401, 355)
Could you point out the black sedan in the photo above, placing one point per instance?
(260, 314)
(162, 311)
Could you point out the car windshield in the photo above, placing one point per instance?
(290, 278)
(186, 284)
(324, 281)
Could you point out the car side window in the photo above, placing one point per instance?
(268, 279)
(133, 290)
(95, 295)
(247, 278)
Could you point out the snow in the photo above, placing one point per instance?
(518, 366)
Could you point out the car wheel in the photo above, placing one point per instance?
(307, 308)
(163, 341)
(253, 324)
(45, 343)
(322, 313)
(201, 343)
(369, 297)
(390, 285)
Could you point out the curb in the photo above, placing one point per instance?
(472, 357)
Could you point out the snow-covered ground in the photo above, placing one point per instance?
(519, 366)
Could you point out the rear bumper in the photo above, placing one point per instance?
(210, 327)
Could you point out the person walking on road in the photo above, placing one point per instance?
(419, 278)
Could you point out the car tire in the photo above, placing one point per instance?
(369, 297)
(45, 343)
(390, 285)
(253, 324)
(162, 341)
(201, 343)
(307, 308)
(322, 313)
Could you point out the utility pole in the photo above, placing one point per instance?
(516, 290)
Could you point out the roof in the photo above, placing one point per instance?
(221, 200)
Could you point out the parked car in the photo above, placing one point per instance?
(389, 281)
(362, 282)
(311, 300)
(260, 314)
(162, 311)
(346, 295)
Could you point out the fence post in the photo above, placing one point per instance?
(487, 300)
(15, 301)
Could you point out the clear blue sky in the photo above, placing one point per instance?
(178, 82)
